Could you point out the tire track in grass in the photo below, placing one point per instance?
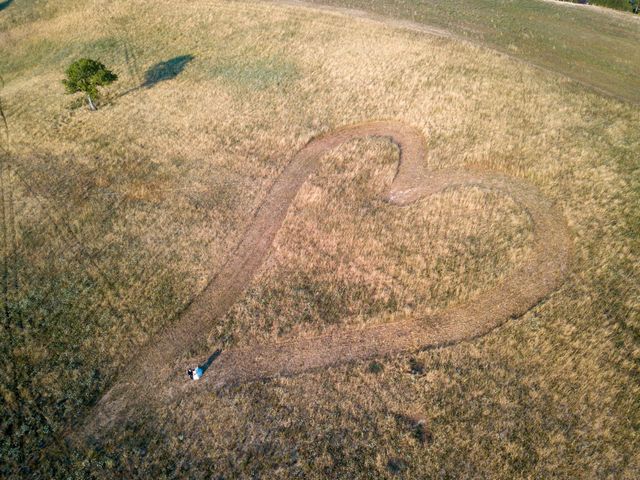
(523, 288)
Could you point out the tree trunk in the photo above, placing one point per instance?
(92, 106)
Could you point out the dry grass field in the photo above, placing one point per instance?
(592, 45)
(114, 221)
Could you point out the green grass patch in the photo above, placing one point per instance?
(43, 54)
(583, 43)
(256, 74)
(20, 12)
(623, 5)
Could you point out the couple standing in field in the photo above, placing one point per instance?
(195, 374)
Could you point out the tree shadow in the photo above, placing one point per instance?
(5, 4)
(165, 70)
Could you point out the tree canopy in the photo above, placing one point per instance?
(86, 75)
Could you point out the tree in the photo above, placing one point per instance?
(86, 75)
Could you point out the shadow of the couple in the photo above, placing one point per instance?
(205, 366)
(5, 4)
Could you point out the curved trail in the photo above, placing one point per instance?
(420, 27)
(523, 288)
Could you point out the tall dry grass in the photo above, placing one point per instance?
(115, 220)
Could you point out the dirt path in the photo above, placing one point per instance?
(441, 32)
(162, 361)
(369, 16)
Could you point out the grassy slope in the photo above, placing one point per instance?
(623, 5)
(588, 45)
(16, 13)
(114, 220)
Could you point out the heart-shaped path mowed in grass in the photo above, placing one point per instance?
(519, 291)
